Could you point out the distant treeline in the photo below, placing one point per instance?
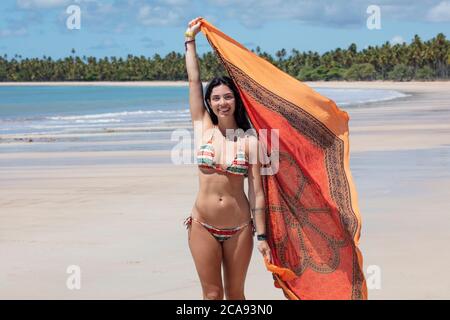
(421, 60)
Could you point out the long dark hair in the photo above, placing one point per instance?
(240, 115)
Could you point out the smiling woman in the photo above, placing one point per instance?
(227, 96)
(222, 233)
(225, 100)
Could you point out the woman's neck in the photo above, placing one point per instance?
(229, 124)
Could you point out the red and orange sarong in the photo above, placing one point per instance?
(313, 218)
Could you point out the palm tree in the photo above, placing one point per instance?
(420, 56)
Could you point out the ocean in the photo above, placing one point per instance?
(113, 118)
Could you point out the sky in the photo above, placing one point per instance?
(34, 28)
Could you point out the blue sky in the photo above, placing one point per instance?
(33, 28)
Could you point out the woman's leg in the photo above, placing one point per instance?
(237, 252)
(207, 254)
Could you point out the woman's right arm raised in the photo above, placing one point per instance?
(193, 71)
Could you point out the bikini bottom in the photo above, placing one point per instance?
(220, 234)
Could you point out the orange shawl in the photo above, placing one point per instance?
(313, 220)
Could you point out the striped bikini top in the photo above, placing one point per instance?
(205, 159)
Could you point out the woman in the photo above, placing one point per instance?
(220, 225)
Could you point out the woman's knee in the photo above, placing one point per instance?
(213, 294)
(234, 293)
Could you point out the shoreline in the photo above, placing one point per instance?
(365, 133)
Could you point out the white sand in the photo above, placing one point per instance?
(122, 224)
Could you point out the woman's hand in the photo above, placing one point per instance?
(263, 247)
(194, 26)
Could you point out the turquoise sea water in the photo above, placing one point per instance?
(75, 115)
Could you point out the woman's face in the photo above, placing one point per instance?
(222, 101)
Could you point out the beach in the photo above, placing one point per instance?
(118, 214)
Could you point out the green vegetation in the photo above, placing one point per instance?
(419, 60)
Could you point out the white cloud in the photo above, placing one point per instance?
(98, 16)
(397, 40)
(440, 12)
(41, 4)
(12, 33)
(124, 15)
(176, 2)
(254, 13)
(118, 16)
(343, 13)
(158, 16)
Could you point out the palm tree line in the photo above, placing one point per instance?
(418, 60)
